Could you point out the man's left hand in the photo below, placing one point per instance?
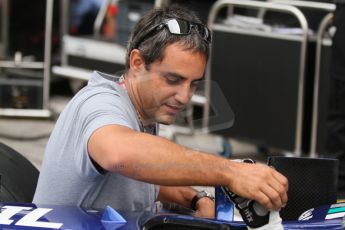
(205, 208)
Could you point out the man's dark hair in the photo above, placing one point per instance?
(152, 47)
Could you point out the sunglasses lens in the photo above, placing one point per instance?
(178, 26)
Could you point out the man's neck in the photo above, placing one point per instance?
(133, 94)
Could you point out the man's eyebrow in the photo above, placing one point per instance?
(200, 79)
(183, 77)
(174, 74)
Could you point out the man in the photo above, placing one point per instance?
(103, 150)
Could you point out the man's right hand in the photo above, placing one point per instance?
(261, 183)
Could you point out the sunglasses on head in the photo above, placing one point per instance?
(177, 27)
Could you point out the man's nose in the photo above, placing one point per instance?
(184, 94)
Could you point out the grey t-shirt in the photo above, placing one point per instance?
(68, 176)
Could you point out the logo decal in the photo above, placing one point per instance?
(336, 211)
(29, 220)
(307, 215)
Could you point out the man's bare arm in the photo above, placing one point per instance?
(157, 160)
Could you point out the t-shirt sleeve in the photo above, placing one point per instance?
(99, 110)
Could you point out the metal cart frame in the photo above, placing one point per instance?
(45, 65)
(319, 42)
(302, 57)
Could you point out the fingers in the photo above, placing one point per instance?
(281, 185)
(275, 192)
(261, 183)
(264, 200)
(271, 199)
(281, 179)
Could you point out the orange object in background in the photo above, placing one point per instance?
(109, 28)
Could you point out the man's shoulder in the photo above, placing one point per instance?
(104, 83)
(98, 77)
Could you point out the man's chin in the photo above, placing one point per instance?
(167, 120)
(165, 123)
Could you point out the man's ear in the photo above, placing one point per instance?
(136, 62)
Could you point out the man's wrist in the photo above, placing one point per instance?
(200, 195)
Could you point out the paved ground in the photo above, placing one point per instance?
(29, 136)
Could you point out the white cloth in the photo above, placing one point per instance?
(275, 223)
